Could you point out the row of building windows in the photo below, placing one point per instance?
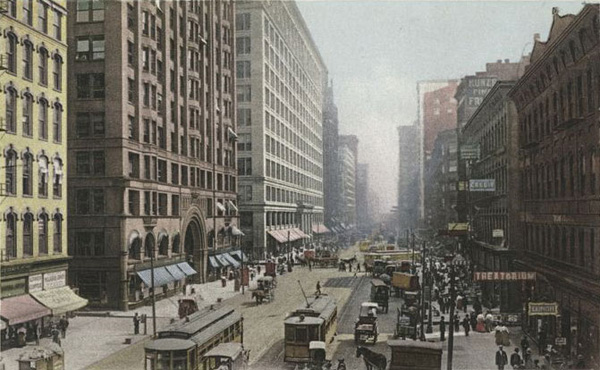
(11, 174)
(287, 174)
(27, 234)
(571, 175)
(28, 65)
(28, 117)
(574, 245)
(275, 194)
(41, 8)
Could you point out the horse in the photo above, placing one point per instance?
(373, 360)
(349, 260)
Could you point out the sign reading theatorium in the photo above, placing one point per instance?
(503, 276)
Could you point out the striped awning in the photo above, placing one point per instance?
(231, 260)
(161, 276)
(176, 272)
(17, 310)
(187, 269)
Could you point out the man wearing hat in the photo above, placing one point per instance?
(501, 358)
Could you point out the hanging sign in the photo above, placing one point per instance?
(543, 309)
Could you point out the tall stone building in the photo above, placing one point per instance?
(152, 172)
(494, 128)
(363, 205)
(331, 167)
(440, 181)
(408, 177)
(348, 162)
(280, 90)
(558, 103)
(33, 139)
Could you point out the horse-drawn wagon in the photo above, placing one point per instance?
(264, 290)
(365, 327)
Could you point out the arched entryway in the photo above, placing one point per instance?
(194, 244)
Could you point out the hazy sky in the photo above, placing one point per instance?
(376, 51)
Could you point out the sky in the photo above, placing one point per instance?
(377, 50)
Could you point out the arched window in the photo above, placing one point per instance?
(28, 234)
(43, 233)
(11, 235)
(43, 66)
(57, 123)
(176, 244)
(43, 119)
(57, 179)
(27, 115)
(27, 174)
(11, 110)
(149, 246)
(11, 172)
(28, 60)
(57, 72)
(163, 246)
(11, 52)
(43, 176)
(135, 244)
(57, 239)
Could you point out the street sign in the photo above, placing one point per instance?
(458, 229)
(560, 341)
(503, 276)
(543, 309)
(497, 233)
(482, 185)
(469, 151)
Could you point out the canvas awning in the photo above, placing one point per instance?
(278, 236)
(231, 260)
(320, 229)
(161, 276)
(186, 268)
(239, 255)
(60, 300)
(176, 272)
(222, 260)
(300, 233)
(213, 262)
(17, 310)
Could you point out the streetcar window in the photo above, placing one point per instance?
(164, 360)
(301, 335)
(179, 360)
(313, 333)
(290, 334)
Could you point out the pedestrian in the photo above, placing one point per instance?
(37, 332)
(309, 266)
(580, 364)
(542, 341)
(136, 324)
(258, 269)
(318, 288)
(501, 358)
(55, 334)
(64, 324)
(473, 320)
(515, 359)
(466, 325)
(456, 323)
(524, 344)
(442, 329)
(489, 321)
(527, 361)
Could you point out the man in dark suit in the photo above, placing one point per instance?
(501, 358)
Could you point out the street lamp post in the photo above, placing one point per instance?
(429, 329)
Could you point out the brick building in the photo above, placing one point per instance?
(152, 170)
(558, 103)
(439, 114)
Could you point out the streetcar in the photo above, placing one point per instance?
(314, 321)
(183, 345)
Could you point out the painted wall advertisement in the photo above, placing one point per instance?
(55, 279)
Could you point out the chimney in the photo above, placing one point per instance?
(506, 60)
(536, 37)
(499, 61)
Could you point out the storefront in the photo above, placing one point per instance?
(283, 241)
(168, 280)
(225, 263)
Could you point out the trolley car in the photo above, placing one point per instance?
(183, 345)
(316, 321)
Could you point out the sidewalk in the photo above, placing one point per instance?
(92, 337)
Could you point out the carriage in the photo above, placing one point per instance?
(265, 289)
(365, 327)
(230, 356)
(380, 294)
(403, 283)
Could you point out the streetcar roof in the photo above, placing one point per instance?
(169, 344)
(201, 320)
(230, 350)
(322, 306)
(308, 320)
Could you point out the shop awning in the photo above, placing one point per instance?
(320, 229)
(239, 254)
(300, 233)
(278, 236)
(21, 309)
(231, 260)
(186, 268)
(161, 276)
(222, 260)
(213, 262)
(176, 272)
(60, 300)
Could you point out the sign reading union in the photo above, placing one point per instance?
(543, 309)
(503, 276)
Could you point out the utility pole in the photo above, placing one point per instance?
(452, 302)
(429, 329)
